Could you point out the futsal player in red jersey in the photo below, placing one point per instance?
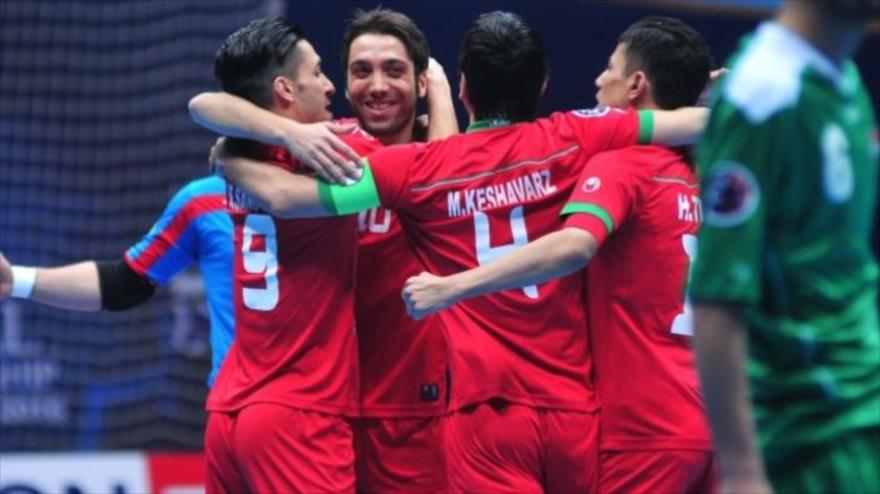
(524, 409)
(279, 412)
(398, 440)
(640, 208)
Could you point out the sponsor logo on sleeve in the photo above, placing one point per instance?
(599, 111)
(591, 184)
(731, 196)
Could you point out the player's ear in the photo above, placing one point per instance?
(284, 89)
(422, 84)
(639, 86)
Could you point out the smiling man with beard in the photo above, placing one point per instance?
(398, 443)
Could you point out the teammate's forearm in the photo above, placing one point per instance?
(720, 343)
(679, 127)
(232, 116)
(442, 121)
(551, 256)
(73, 287)
(281, 193)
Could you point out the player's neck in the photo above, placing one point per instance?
(644, 102)
(836, 39)
(403, 136)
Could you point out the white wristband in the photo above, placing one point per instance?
(23, 280)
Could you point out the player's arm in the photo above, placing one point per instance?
(674, 127)
(442, 121)
(279, 192)
(84, 286)
(316, 144)
(605, 129)
(551, 256)
(720, 343)
(728, 277)
(290, 195)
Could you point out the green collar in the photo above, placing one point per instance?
(489, 123)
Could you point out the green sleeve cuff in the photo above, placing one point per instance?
(646, 126)
(580, 207)
(342, 200)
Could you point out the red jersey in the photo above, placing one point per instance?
(294, 310)
(402, 361)
(640, 325)
(471, 198)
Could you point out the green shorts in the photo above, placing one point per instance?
(849, 465)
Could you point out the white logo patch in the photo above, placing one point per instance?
(732, 195)
(591, 184)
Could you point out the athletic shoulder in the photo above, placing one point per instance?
(768, 77)
(205, 186)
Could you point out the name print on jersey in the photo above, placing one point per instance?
(238, 200)
(521, 189)
(690, 208)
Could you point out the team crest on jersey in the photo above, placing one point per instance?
(591, 184)
(598, 111)
(731, 196)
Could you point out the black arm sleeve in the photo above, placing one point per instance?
(122, 288)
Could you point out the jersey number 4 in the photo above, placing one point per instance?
(486, 253)
(259, 249)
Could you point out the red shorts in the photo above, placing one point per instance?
(668, 471)
(503, 447)
(400, 455)
(266, 447)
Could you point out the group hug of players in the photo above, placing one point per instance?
(516, 370)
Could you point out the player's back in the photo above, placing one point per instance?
(294, 297)
(472, 198)
(640, 323)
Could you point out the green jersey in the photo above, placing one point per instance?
(788, 168)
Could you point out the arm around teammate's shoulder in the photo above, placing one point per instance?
(679, 127)
(314, 144)
(280, 192)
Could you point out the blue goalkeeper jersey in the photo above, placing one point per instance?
(195, 227)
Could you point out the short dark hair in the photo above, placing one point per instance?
(391, 23)
(250, 58)
(505, 64)
(674, 57)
